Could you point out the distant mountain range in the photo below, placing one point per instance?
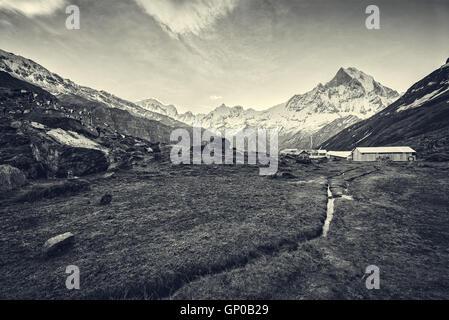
(350, 110)
(307, 118)
(420, 119)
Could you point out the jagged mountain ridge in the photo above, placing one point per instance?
(32, 72)
(313, 116)
(18, 97)
(420, 119)
(154, 105)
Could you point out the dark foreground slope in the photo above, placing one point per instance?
(166, 226)
(420, 119)
(199, 232)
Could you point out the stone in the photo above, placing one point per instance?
(59, 244)
(81, 162)
(287, 175)
(106, 199)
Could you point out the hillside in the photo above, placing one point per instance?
(420, 119)
(49, 137)
(32, 72)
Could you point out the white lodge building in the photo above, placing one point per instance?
(384, 153)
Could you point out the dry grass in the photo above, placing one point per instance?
(227, 233)
(398, 221)
(162, 230)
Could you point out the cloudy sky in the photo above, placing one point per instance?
(198, 54)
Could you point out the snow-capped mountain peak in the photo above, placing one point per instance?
(349, 97)
(350, 91)
(155, 105)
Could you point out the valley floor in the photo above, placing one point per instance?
(224, 232)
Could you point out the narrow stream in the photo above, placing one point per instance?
(330, 211)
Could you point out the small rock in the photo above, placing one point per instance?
(106, 199)
(109, 175)
(58, 244)
(287, 175)
(16, 124)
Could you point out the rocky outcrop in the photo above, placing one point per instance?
(81, 162)
(16, 150)
(57, 245)
(38, 155)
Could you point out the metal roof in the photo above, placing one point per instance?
(343, 154)
(385, 149)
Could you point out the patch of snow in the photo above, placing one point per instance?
(366, 136)
(37, 125)
(419, 102)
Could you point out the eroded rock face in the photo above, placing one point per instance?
(11, 178)
(59, 244)
(81, 162)
(16, 151)
(37, 155)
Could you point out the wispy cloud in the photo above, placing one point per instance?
(180, 17)
(31, 8)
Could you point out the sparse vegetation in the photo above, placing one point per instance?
(11, 178)
(207, 232)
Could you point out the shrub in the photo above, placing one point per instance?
(11, 178)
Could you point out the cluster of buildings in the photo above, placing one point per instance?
(358, 154)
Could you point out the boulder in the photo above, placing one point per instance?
(81, 162)
(287, 175)
(16, 151)
(106, 199)
(11, 178)
(59, 244)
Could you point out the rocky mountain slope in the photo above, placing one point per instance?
(45, 136)
(307, 118)
(420, 119)
(30, 71)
